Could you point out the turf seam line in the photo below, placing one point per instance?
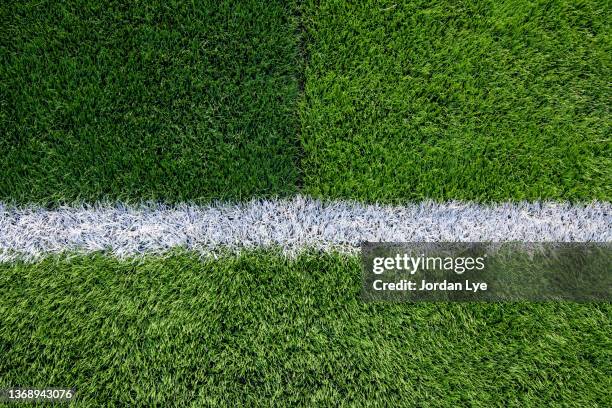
(304, 58)
(293, 225)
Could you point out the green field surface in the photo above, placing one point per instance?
(162, 100)
(402, 101)
(471, 100)
(259, 329)
(378, 101)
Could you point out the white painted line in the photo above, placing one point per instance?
(293, 225)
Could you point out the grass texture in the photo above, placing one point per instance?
(471, 100)
(292, 226)
(260, 329)
(403, 101)
(163, 100)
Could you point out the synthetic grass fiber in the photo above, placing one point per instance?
(470, 100)
(183, 102)
(260, 329)
(193, 101)
(162, 100)
(293, 225)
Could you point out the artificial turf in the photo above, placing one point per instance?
(473, 100)
(193, 101)
(161, 100)
(261, 329)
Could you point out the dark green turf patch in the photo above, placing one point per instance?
(479, 100)
(139, 100)
(259, 329)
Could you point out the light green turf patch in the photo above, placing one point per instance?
(260, 329)
(479, 100)
(141, 100)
